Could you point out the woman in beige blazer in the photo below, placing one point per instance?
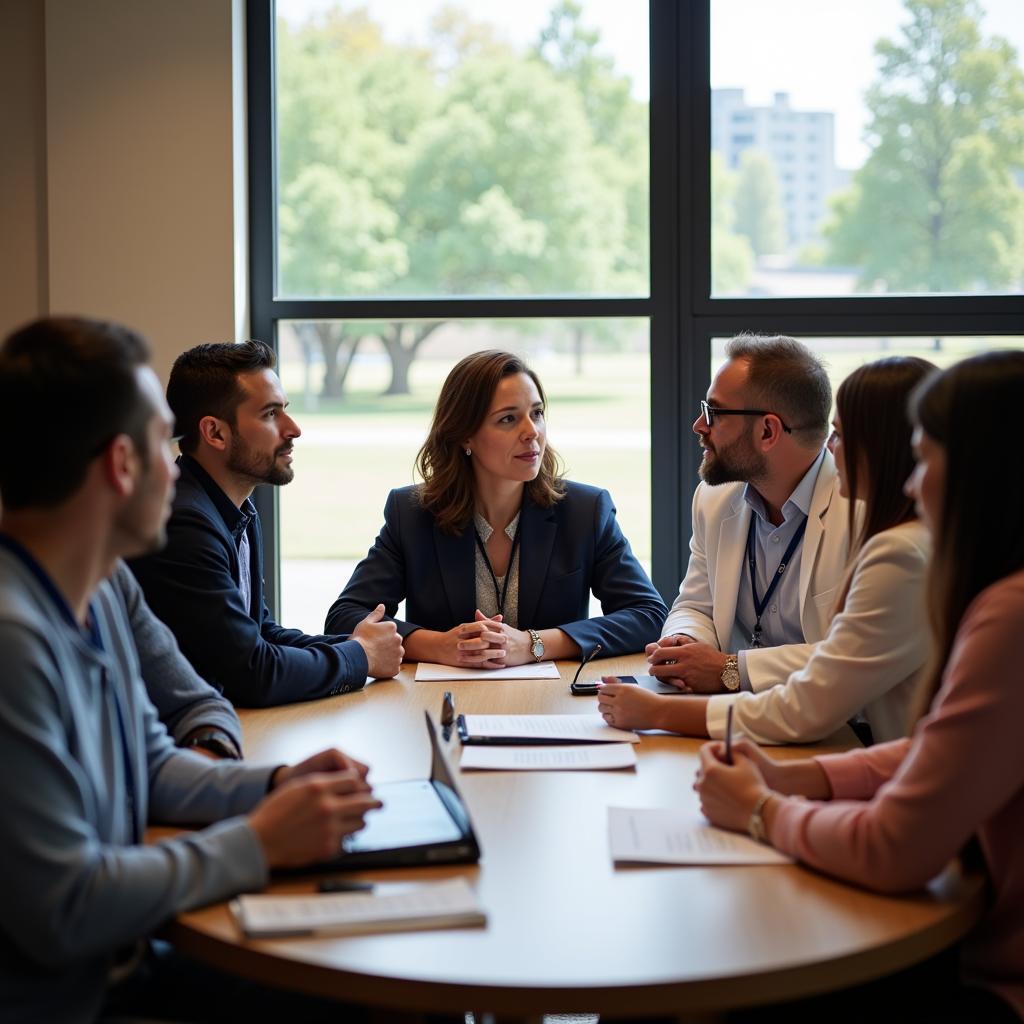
(878, 642)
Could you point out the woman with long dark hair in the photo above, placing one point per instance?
(495, 553)
(873, 657)
(890, 817)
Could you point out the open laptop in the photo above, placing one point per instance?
(423, 821)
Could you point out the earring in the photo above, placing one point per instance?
(468, 452)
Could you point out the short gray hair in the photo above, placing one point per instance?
(785, 377)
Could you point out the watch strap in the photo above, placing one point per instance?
(731, 673)
(535, 644)
(216, 741)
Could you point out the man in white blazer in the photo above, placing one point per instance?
(768, 504)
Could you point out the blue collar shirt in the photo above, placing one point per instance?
(780, 623)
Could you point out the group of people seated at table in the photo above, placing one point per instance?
(863, 578)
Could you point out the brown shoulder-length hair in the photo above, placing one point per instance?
(973, 411)
(448, 490)
(871, 403)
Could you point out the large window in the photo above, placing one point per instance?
(611, 190)
(356, 447)
(867, 148)
(426, 149)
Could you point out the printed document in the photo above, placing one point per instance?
(428, 672)
(449, 904)
(583, 757)
(663, 836)
(571, 728)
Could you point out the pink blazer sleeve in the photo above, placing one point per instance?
(859, 774)
(964, 763)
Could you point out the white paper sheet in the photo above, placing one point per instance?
(448, 904)
(578, 728)
(583, 757)
(663, 836)
(428, 672)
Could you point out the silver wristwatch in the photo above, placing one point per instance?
(536, 645)
(731, 673)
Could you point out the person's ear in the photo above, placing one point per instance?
(214, 432)
(121, 465)
(771, 431)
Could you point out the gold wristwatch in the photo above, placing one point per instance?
(731, 673)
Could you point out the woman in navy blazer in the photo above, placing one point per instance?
(496, 554)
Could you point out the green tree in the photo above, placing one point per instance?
(618, 124)
(758, 202)
(938, 206)
(732, 258)
(346, 106)
(467, 168)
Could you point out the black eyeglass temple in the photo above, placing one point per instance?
(587, 658)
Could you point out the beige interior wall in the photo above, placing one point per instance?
(23, 275)
(137, 120)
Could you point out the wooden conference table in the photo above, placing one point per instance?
(567, 931)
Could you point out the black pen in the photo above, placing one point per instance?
(447, 714)
(344, 885)
(728, 736)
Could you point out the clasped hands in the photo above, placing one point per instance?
(684, 662)
(487, 643)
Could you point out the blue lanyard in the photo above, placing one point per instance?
(760, 605)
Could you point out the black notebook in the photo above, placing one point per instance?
(423, 821)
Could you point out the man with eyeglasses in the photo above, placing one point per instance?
(770, 529)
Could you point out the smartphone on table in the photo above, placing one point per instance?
(652, 683)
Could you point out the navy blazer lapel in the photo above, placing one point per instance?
(537, 527)
(458, 576)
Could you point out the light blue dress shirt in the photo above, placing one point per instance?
(780, 623)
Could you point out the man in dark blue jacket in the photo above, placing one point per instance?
(207, 583)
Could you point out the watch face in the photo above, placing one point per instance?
(537, 649)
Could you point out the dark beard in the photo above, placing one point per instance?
(736, 463)
(259, 469)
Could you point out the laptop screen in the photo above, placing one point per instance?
(412, 815)
(420, 812)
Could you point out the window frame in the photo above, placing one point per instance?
(683, 316)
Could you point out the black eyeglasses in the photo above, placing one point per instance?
(588, 657)
(709, 412)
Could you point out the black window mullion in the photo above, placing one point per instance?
(262, 222)
(455, 308)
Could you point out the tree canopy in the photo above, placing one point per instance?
(939, 205)
(463, 167)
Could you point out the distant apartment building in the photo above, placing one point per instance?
(801, 142)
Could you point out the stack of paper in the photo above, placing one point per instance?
(450, 904)
(592, 757)
(656, 836)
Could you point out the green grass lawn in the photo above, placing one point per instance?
(333, 508)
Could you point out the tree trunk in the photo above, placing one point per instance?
(402, 356)
(579, 336)
(338, 351)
